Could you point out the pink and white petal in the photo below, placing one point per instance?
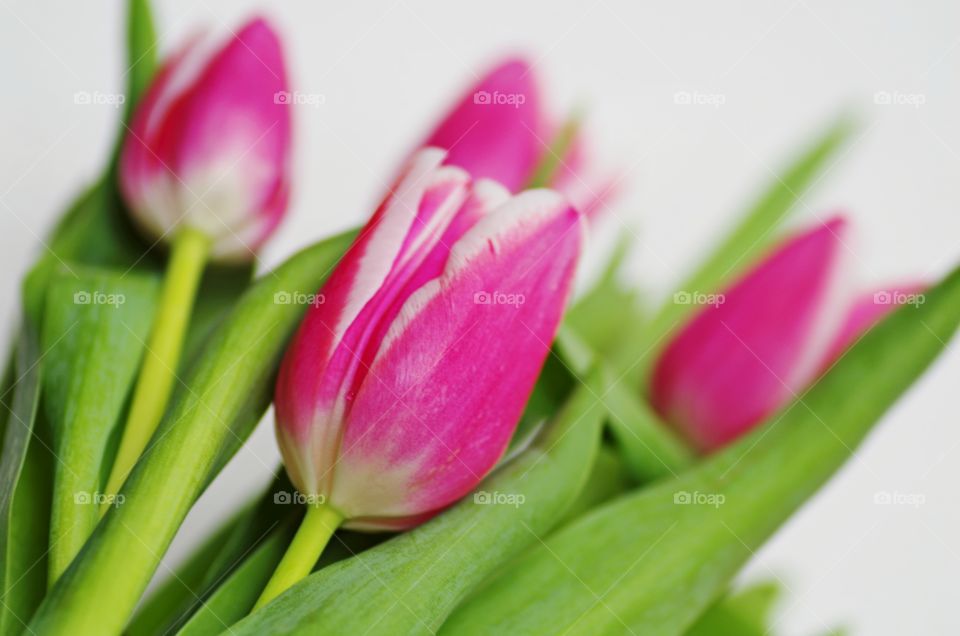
(738, 362)
(499, 141)
(146, 178)
(455, 370)
(329, 345)
(228, 137)
(868, 310)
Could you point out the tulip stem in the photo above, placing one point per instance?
(553, 159)
(318, 525)
(188, 256)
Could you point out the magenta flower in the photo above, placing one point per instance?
(499, 130)
(403, 386)
(204, 167)
(766, 339)
(209, 144)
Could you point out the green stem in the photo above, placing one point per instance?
(158, 372)
(559, 147)
(318, 525)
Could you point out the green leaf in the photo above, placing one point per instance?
(94, 328)
(409, 584)
(609, 478)
(655, 560)
(650, 449)
(609, 309)
(744, 613)
(24, 492)
(755, 232)
(141, 51)
(232, 600)
(178, 594)
(231, 383)
(217, 585)
(6, 393)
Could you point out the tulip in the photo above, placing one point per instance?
(765, 340)
(499, 130)
(407, 377)
(205, 168)
(208, 147)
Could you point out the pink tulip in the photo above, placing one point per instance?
(209, 144)
(402, 388)
(766, 339)
(499, 130)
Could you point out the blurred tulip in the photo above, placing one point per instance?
(204, 167)
(402, 388)
(762, 343)
(499, 130)
(209, 144)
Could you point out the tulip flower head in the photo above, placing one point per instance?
(766, 338)
(403, 387)
(499, 130)
(209, 144)
(204, 167)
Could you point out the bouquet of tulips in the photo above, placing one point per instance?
(467, 448)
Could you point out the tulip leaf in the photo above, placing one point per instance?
(141, 51)
(756, 230)
(6, 394)
(24, 489)
(94, 328)
(409, 584)
(652, 562)
(231, 383)
(176, 597)
(608, 478)
(232, 600)
(609, 309)
(650, 449)
(744, 613)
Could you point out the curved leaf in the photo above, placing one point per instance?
(409, 584)
(653, 561)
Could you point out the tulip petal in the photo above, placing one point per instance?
(867, 311)
(738, 362)
(211, 143)
(446, 390)
(329, 348)
(489, 134)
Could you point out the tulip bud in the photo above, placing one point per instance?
(760, 344)
(499, 130)
(208, 146)
(403, 387)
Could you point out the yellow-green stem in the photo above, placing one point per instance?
(553, 159)
(188, 256)
(318, 525)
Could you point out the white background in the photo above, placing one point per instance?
(784, 68)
